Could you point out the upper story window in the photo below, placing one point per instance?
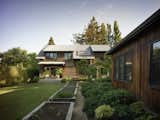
(123, 67)
(67, 56)
(51, 55)
(155, 64)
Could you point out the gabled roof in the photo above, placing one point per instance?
(100, 48)
(59, 48)
(79, 51)
(71, 48)
(154, 18)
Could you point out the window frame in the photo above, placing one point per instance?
(54, 55)
(152, 85)
(66, 54)
(117, 76)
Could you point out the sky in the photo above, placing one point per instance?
(30, 23)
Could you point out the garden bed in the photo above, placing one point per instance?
(102, 101)
(67, 93)
(51, 110)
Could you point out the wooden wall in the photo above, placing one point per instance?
(140, 85)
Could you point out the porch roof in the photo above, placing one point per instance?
(51, 63)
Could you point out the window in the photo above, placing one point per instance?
(123, 67)
(128, 67)
(117, 69)
(51, 55)
(47, 55)
(155, 64)
(67, 56)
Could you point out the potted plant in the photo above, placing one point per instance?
(59, 72)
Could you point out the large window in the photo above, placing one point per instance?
(123, 67)
(67, 56)
(155, 64)
(51, 55)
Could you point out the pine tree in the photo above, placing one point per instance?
(51, 41)
(109, 35)
(117, 33)
(91, 32)
(102, 34)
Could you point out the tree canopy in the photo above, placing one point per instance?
(96, 33)
(18, 66)
(15, 56)
(117, 33)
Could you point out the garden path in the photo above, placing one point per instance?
(78, 113)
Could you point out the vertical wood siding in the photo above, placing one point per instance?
(140, 85)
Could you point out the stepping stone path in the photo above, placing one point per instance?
(78, 113)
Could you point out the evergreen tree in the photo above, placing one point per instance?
(79, 38)
(51, 41)
(95, 34)
(110, 39)
(103, 34)
(117, 33)
(91, 32)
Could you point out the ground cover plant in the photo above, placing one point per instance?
(17, 101)
(126, 107)
(68, 91)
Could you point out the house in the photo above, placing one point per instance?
(136, 62)
(64, 57)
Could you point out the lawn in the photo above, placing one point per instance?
(17, 101)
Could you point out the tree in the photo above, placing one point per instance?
(102, 34)
(109, 35)
(51, 41)
(32, 69)
(79, 38)
(18, 66)
(15, 56)
(84, 68)
(95, 34)
(91, 32)
(106, 64)
(117, 33)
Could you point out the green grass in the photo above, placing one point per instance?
(17, 101)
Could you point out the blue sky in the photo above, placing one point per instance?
(29, 23)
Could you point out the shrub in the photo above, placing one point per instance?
(59, 72)
(137, 107)
(91, 103)
(104, 111)
(46, 73)
(145, 117)
(13, 75)
(107, 79)
(34, 80)
(32, 72)
(123, 112)
(68, 78)
(63, 81)
(117, 96)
